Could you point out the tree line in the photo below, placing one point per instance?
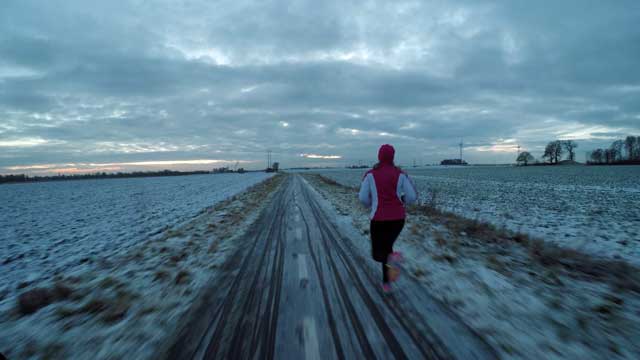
(625, 151)
(19, 178)
(553, 153)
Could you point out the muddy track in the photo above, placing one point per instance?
(243, 308)
(269, 302)
(426, 345)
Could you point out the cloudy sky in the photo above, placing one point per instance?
(122, 85)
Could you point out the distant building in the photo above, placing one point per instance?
(221, 170)
(453, 162)
(274, 167)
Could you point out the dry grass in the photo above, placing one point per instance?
(213, 247)
(149, 309)
(173, 233)
(107, 310)
(61, 291)
(108, 282)
(161, 275)
(419, 273)
(440, 240)
(331, 182)
(53, 351)
(328, 181)
(622, 275)
(94, 306)
(178, 257)
(444, 257)
(35, 299)
(116, 311)
(182, 277)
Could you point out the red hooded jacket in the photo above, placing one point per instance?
(385, 187)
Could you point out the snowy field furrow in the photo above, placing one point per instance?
(594, 209)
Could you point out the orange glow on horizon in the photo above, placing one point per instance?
(152, 165)
(75, 170)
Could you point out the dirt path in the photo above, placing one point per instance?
(299, 288)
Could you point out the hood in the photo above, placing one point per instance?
(386, 154)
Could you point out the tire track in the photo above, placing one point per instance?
(277, 287)
(399, 314)
(365, 346)
(277, 274)
(325, 297)
(227, 309)
(345, 300)
(426, 336)
(253, 303)
(381, 323)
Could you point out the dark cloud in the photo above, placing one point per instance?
(164, 80)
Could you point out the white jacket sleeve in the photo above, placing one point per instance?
(409, 190)
(365, 191)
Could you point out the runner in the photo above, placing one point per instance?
(386, 189)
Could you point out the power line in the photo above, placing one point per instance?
(268, 159)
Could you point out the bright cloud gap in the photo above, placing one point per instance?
(316, 156)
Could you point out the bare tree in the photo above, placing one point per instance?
(570, 146)
(525, 158)
(597, 156)
(549, 150)
(559, 151)
(630, 145)
(609, 156)
(616, 148)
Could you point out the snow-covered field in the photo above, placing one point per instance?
(119, 260)
(514, 295)
(54, 227)
(593, 209)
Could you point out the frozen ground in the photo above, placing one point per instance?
(592, 209)
(55, 227)
(301, 287)
(528, 300)
(118, 261)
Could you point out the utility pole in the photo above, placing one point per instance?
(268, 159)
(461, 146)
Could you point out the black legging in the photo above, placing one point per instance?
(383, 235)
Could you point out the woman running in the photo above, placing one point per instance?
(386, 189)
